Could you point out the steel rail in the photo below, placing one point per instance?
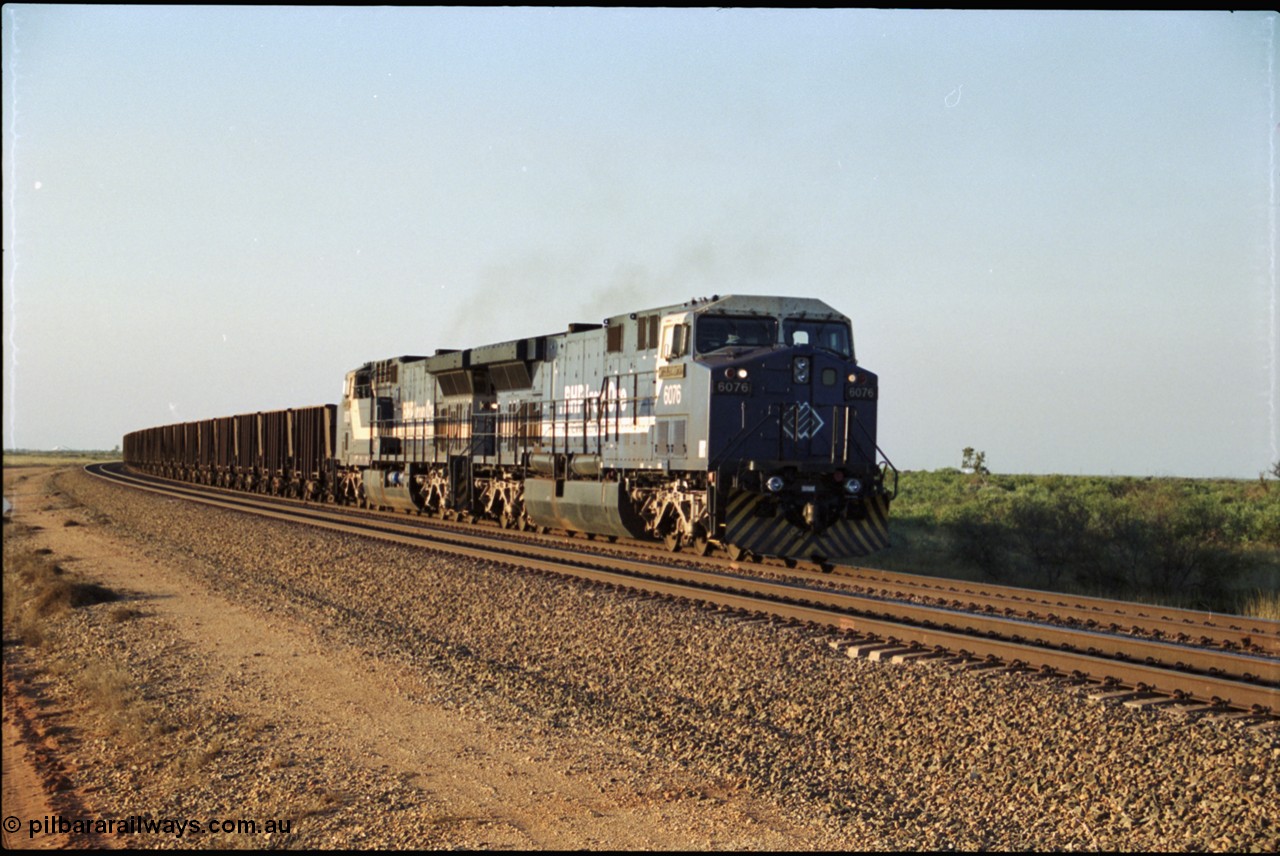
(1239, 631)
(1208, 674)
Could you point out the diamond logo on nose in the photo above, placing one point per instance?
(801, 422)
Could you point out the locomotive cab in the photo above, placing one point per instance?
(791, 417)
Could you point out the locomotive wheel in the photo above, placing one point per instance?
(672, 542)
(735, 552)
(698, 545)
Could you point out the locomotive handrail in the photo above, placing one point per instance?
(887, 463)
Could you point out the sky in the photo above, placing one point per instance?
(1054, 232)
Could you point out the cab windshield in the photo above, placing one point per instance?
(829, 335)
(715, 332)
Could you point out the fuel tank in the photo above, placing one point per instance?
(389, 488)
(602, 507)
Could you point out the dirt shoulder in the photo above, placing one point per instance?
(255, 718)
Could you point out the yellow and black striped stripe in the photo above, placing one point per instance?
(777, 536)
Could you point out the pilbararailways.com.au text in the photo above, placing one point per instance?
(56, 824)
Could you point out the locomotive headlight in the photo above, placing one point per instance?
(774, 484)
(800, 370)
(742, 374)
(735, 374)
(853, 487)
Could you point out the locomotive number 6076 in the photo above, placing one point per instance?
(733, 387)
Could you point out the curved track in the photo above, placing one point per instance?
(901, 619)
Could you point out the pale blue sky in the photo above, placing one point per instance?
(1055, 232)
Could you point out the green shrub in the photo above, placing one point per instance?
(1187, 541)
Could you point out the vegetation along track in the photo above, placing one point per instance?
(988, 626)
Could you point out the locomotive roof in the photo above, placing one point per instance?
(747, 304)
(521, 349)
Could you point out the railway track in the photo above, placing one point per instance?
(1186, 626)
(1147, 655)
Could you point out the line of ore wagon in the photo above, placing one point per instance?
(281, 452)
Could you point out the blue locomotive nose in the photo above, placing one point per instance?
(796, 452)
(796, 406)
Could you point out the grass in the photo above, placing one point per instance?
(38, 595)
(1262, 604)
(37, 589)
(1211, 544)
(113, 695)
(58, 458)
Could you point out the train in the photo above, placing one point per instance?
(743, 424)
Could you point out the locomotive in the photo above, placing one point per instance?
(743, 422)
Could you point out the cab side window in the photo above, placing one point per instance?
(675, 341)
